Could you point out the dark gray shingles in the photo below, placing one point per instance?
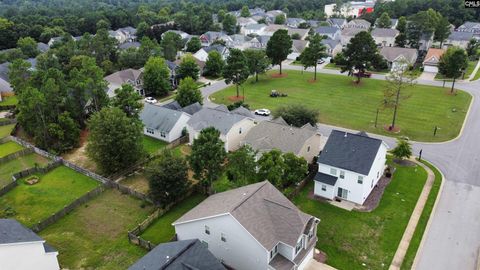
(192, 108)
(349, 151)
(11, 231)
(325, 178)
(218, 118)
(159, 118)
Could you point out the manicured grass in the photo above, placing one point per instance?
(11, 100)
(161, 230)
(56, 189)
(152, 145)
(422, 223)
(468, 71)
(9, 148)
(341, 102)
(19, 164)
(331, 66)
(353, 238)
(94, 235)
(6, 130)
(137, 181)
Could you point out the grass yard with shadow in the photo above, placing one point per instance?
(6, 130)
(342, 103)
(362, 240)
(9, 100)
(161, 230)
(94, 235)
(152, 145)
(56, 189)
(21, 163)
(9, 148)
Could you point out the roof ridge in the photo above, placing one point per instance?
(277, 203)
(249, 196)
(173, 258)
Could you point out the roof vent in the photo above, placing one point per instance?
(167, 258)
(345, 135)
(244, 194)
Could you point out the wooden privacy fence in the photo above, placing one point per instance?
(15, 155)
(126, 190)
(67, 209)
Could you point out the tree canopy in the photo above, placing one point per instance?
(156, 77)
(188, 92)
(453, 63)
(279, 46)
(236, 70)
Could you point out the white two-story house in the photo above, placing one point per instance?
(349, 166)
(254, 227)
(22, 249)
(163, 123)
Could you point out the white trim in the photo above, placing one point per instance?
(198, 219)
(23, 243)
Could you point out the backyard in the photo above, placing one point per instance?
(342, 103)
(9, 100)
(161, 230)
(366, 240)
(30, 204)
(6, 130)
(152, 145)
(21, 163)
(9, 148)
(94, 235)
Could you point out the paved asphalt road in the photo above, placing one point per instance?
(453, 240)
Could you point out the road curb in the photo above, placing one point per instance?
(429, 223)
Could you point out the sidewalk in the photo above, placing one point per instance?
(414, 218)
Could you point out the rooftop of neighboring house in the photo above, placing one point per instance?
(261, 209)
(359, 23)
(5, 68)
(257, 26)
(299, 31)
(337, 22)
(470, 25)
(277, 134)
(124, 76)
(325, 30)
(274, 27)
(295, 20)
(392, 54)
(189, 109)
(350, 32)
(128, 45)
(274, 13)
(158, 117)
(220, 118)
(212, 35)
(330, 42)
(245, 21)
(393, 22)
(385, 32)
(217, 47)
(178, 255)
(461, 36)
(352, 152)
(42, 47)
(433, 56)
(12, 232)
(128, 30)
(299, 45)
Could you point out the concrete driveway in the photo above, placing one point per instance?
(427, 76)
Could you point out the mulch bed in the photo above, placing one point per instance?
(320, 257)
(278, 75)
(235, 98)
(404, 162)
(375, 196)
(396, 129)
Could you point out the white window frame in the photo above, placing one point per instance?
(342, 175)
(360, 179)
(333, 171)
(207, 230)
(324, 187)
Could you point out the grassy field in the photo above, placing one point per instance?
(6, 130)
(152, 145)
(55, 190)
(161, 230)
(94, 235)
(357, 240)
(11, 100)
(9, 148)
(422, 223)
(19, 164)
(340, 102)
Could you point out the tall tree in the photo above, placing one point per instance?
(280, 19)
(271, 167)
(115, 140)
(241, 167)
(472, 48)
(171, 43)
(229, 24)
(295, 169)
(236, 70)
(245, 12)
(167, 178)
(28, 46)
(128, 100)
(19, 72)
(279, 46)
(257, 61)
(384, 21)
(214, 64)
(360, 53)
(442, 30)
(297, 115)
(401, 39)
(314, 52)
(156, 77)
(188, 92)
(188, 68)
(453, 63)
(207, 157)
(402, 150)
(193, 45)
(397, 81)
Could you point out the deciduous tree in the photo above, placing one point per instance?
(188, 68)
(188, 92)
(384, 21)
(128, 99)
(193, 45)
(297, 115)
(241, 167)
(257, 61)
(271, 167)
(453, 63)
(236, 70)
(314, 52)
(214, 64)
(279, 46)
(156, 77)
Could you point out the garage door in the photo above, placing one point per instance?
(430, 69)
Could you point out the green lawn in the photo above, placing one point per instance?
(422, 223)
(137, 181)
(19, 164)
(332, 66)
(468, 71)
(161, 230)
(351, 239)
(152, 145)
(94, 235)
(342, 103)
(6, 130)
(9, 148)
(12, 100)
(56, 189)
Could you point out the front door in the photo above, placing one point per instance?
(342, 193)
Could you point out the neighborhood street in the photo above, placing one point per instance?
(453, 239)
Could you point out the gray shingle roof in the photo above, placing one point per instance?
(325, 178)
(268, 135)
(464, 36)
(384, 32)
(330, 42)
(159, 118)
(324, 30)
(11, 231)
(128, 45)
(180, 255)
(391, 54)
(192, 108)
(243, 111)
(348, 151)
(261, 209)
(257, 26)
(337, 22)
(174, 105)
(222, 120)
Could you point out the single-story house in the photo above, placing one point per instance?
(304, 142)
(298, 46)
(459, 39)
(384, 37)
(337, 22)
(350, 166)
(163, 123)
(430, 62)
(330, 32)
(358, 23)
(252, 227)
(202, 54)
(333, 46)
(397, 56)
(22, 249)
(472, 27)
(131, 76)
(349, 33)
(233, 125)
(177, 255)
